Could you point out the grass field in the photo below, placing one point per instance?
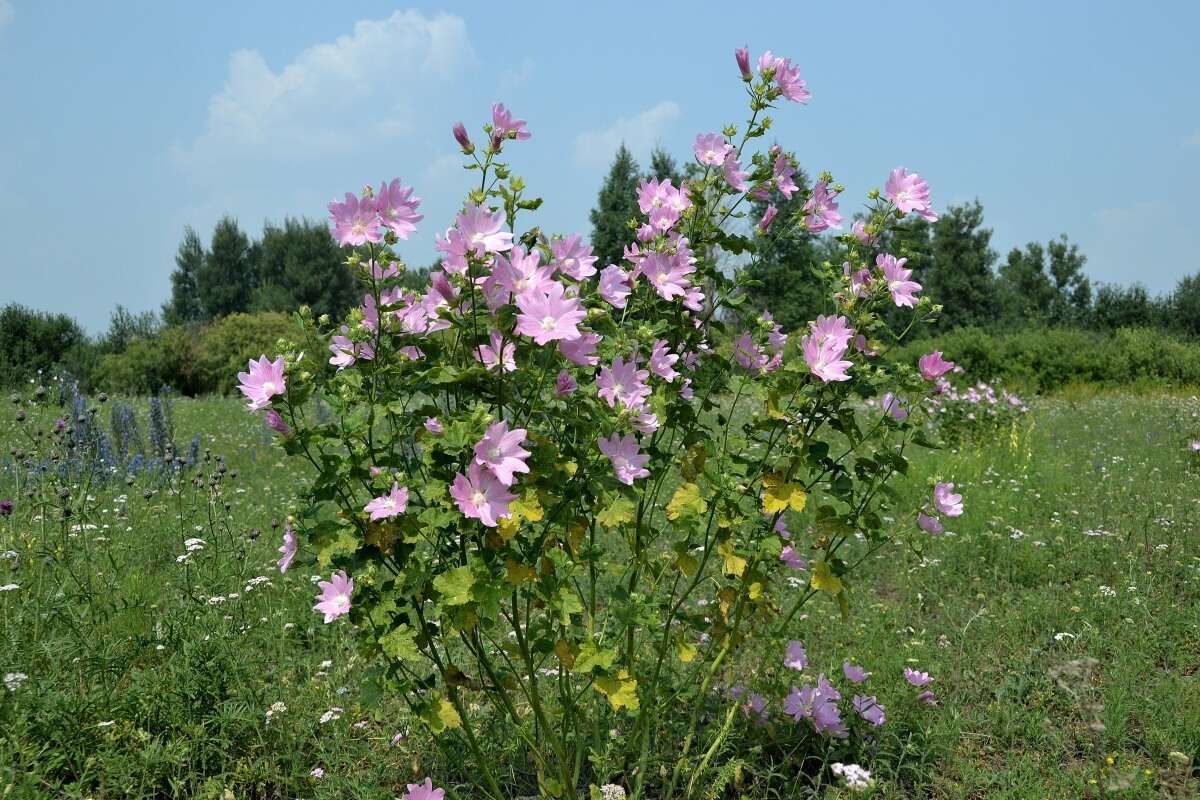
(1060, 619)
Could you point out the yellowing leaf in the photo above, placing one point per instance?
(401, 642)
(687, 564)
(519, 573)
(686, 651)
(734, 564)
(448, 714)
(686, 502)
(621, 691)
(756, 590)
(592, 656)
(780, 496)
(507, 527)
(455, 586)
(823, 579)
(619, 510)
(527, 507)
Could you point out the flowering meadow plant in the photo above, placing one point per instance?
(974, 412)
(555, 496)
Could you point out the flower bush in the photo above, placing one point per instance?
(975, 412)
(555, 497)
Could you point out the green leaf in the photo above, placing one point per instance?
(620, 510)
(455, 586)
(401, 642)
(686, 502)
(592, 656)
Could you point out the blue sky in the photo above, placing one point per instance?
(125, 121)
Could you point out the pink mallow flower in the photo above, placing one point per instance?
(818, 704)
(483, 231)
(930, 524)
(262, 382)
(894, 407)
(662, 361)
(742, 56)
(276, 423)
(615, 286)
(869, 709)
(821, 209)
(735, 176)
(825, 361)
(397, 208)
(581, 351)
(767, 218)
(497, 354)
(549, 316)
(909, 193)
(480, 496)
(916, 678)
(388, 505)
(711, 149)
(794, 656)
(434, 426)
(903, 290)
(946, 501)
(781, 173)
(623, 382)
(791, 556)
(564, 384)
(288, 549)
(573, 258)
(423, 791)
(334, 599)
(505, 127)
(854, 673)
(500, 451)
(355, 220)
(933, 366)
(668, 275)
(628, 462)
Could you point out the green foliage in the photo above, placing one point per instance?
(33, 342)
(616, 206)
(226, 279)
(1046, 359)
(299, 264)
(959, 275)
(184, 305)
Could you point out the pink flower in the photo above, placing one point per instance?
(711, 149)
(928, 698)
(791, 85)
(655, 194)
(334, 599)
(734, 175)
(742, 56)
(355, 221)
(519, 272)
(505, 127)
(668, 275)
(894, 406)
(389, 505)
(748, 354)
(581, 351)
(644, 421)
(480, 496)
(831, 331)
(615, 286)
(916, 678)
(434, 426)
(767, 218)
(573, 258)
(423, 791)
(782, 172)
(482, 230)
(397, 208)
(276, 423)
(909, 193)
(288, 549)
(500, 451)
(821, 209)
(548, 316)
(662, 361)
(933, 366)
(795, 657)
(346, 351)
(262, 382)
(825, 361)
(497, 354)
(946, 501)
(460, 136)
(685, 389)
(791, 556)
(623, 382)
(903, 290)
(819, 705)
(854, 673)
(859, 229)
(628, 462)
(564, 384)
(869, 709)
(929, 524)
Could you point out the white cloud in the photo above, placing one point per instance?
(639, 133)
(1193, 140)
(7, 12)
(371, 83)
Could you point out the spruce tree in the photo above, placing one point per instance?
(226, 280)
(960, 275)
(616, 205)
(184, 305)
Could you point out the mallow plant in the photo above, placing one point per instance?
(576, 507)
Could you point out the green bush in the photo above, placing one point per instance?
(1047, 359)
(192, 359)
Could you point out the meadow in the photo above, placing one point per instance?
(150, 646)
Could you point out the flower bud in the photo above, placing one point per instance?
(743, 61)
(460, 136)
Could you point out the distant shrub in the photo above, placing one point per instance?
(1048, 359)
(226, 346)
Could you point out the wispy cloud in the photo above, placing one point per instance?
(7, 12)
(1193, 140)
(639, 133)
(369, 83)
